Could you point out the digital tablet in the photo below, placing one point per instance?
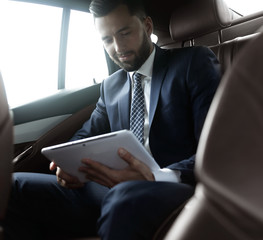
(102, 148)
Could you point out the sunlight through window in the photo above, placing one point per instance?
(86, 62)
(29, 46)
(245, 7)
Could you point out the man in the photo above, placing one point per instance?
(178, 87)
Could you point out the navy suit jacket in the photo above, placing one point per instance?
(183, 85)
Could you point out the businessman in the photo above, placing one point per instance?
(161, 95)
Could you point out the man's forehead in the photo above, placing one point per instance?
(116, 20)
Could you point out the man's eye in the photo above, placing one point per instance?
(125, 33)
(107, 41)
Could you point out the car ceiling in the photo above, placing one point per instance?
(160, 11)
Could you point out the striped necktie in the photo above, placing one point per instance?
(137, 109)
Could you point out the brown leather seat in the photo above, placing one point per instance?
(226, 52)
(6, 151)
(198, 18)
(228, 202)
(193, 19)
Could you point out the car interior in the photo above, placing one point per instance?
(230, 204)
(6, 146)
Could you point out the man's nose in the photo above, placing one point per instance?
(118, 45)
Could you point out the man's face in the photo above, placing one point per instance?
(126, 38)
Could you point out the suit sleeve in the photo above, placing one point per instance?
(203, 78)
(98, 122)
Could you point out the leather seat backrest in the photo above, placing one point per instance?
(6, 149)
(228, 201)
(228, 51)
(230, 153)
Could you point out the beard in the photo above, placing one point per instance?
(139, 59)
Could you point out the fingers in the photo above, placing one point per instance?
(126, 156)
(136, 164)
(64, 179)
(68, 181)
(97, 172)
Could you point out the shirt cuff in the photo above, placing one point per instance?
(167, 175)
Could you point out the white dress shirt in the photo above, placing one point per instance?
(146, 69)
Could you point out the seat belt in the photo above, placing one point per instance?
(31, 160)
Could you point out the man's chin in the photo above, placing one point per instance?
(126, 66)
(129, 68)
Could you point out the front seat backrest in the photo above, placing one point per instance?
(6, 149)
(228, 202)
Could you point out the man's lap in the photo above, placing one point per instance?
(39, 201)
(137, 208)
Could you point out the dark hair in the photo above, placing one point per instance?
(100, 8)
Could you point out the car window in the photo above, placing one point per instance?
(30, 46)
(245, 7)
(85, 63)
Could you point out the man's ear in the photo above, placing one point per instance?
(148, 24)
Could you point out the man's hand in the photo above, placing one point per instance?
(109, 177)
(65, 179)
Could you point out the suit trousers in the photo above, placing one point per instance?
(39, 208)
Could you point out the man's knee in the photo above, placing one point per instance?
(31, 183)
(142, 199)
(119, 197)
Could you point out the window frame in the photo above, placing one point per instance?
(63, 48)
(67, 6)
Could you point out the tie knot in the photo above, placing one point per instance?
(137, 77)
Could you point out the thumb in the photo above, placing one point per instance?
(52, 166)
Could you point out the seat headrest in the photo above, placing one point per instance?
(195, 18)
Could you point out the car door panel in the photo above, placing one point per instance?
(49, 121)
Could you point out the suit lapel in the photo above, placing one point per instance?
(159, 72)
